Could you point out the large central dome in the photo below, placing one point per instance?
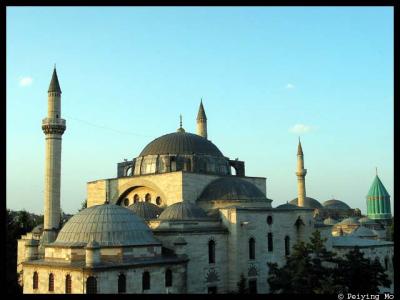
(181, 143)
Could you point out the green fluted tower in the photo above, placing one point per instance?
(378, 201)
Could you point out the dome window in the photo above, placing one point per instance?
(126, 202)
(158, 200)
(136, 198)
(148, 197)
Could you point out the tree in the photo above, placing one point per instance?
(357, 274)
(83, 205)
(312, 269)
(11, 255)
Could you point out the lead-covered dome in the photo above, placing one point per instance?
(183, 211)
(146, 210)
(181, 143)
(108, 225)
(335, 204)
(308, 202)
(231, 188)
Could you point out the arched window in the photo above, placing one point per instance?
(158, 200)
(287, 245)
(126, 201)
(270, 242)
(168, 278)
(91, 285)
(252, 248)
(35, 280)
(136, 198)
(269, 220)
(211, 252)
(121, 283)
(68, 284)
(146, 281)
(147, 197)
(386, 263)
(51, 282)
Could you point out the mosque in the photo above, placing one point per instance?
(176, 219)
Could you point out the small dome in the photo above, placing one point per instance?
(366, 220)
(181, 143)
(231, 188)
(287, 206)
(108, 225)
(146, 210)
(308, 202)
(363, 232)
(335, 204)
(183, 211)
(38, 229)
(330, 221)
(349, 221)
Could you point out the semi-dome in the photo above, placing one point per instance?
(349, 221)
(231, 188)
(38, 229)
(146, 210)
(183, 211)
(330, 221)
(335, 204)
(108, 225)
(308, 202)
(181, 143)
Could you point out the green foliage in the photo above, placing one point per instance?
(358, 274)
(312, 269)
(18, 223)
(83, 205)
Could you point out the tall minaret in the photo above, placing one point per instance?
(201, 121)
(301, 176)
(53, 127)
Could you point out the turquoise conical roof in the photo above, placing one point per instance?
(377, 189)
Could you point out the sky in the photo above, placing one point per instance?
(267, 75)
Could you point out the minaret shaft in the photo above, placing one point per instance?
(301, 176)
(53, 127)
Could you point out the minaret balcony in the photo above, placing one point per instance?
(53, 121)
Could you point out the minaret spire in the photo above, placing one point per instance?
(301, 174)
(201, 121)
(53, 127)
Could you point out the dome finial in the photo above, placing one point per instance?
(180, 129)
(376, 171)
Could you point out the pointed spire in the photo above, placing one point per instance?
(54, 84)
(201, 115)
(299, 148)
(180, 129)
(376, 171)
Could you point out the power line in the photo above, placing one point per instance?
(107, 128)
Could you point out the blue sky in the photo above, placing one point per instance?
(266, 75)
